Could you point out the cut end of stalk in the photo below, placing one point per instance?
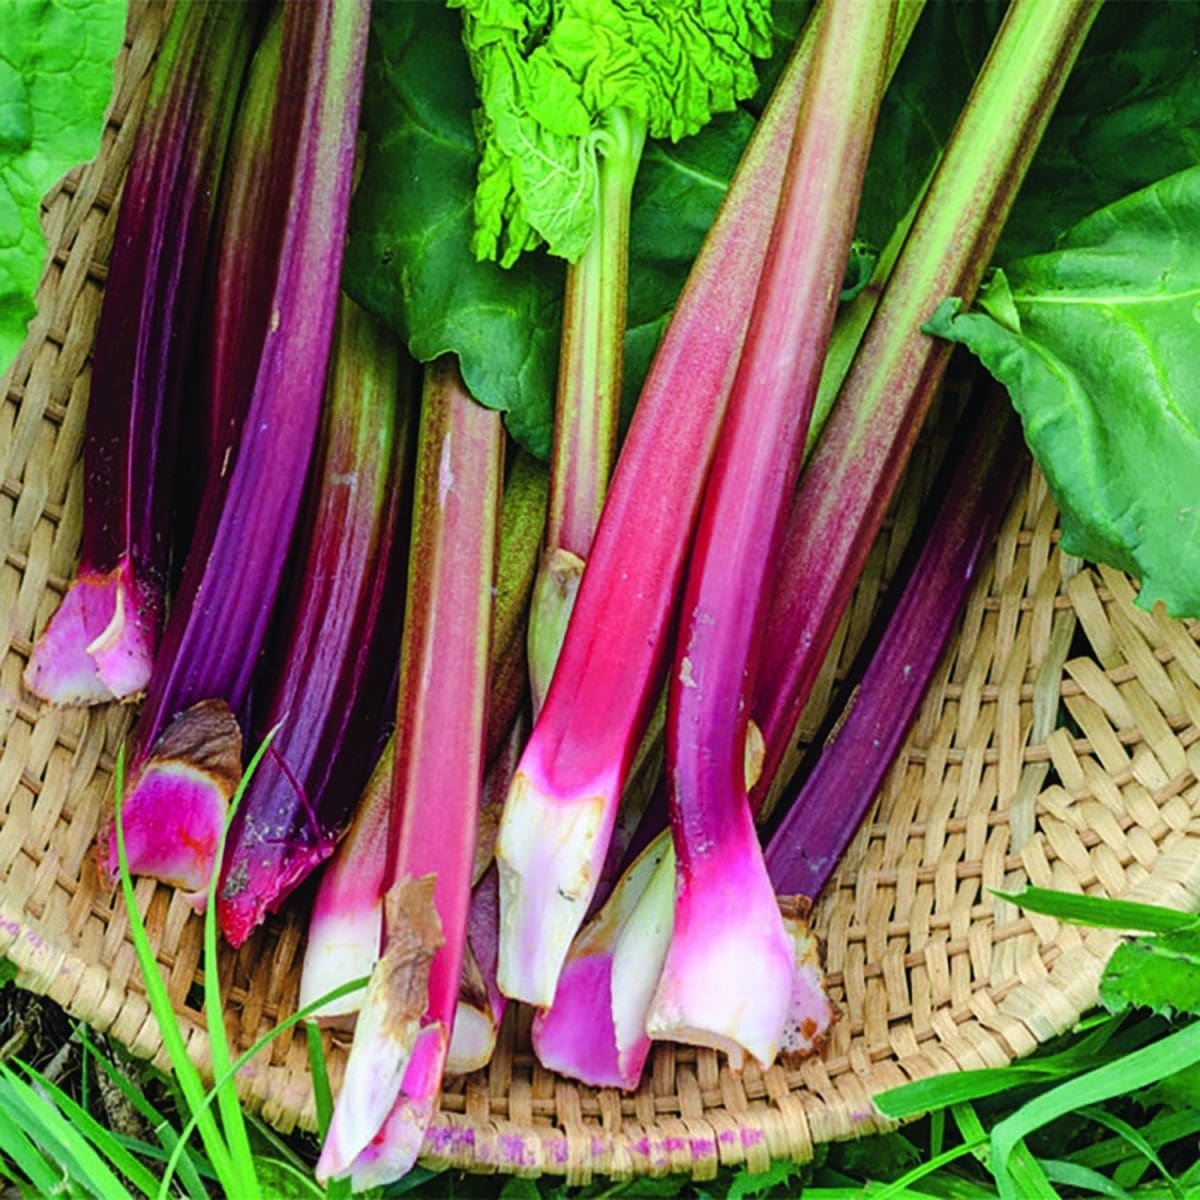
(175, 811)
(474, 1038)
(575, 1035)
(99, 646)
(727, 980)
(811, 1013)
(549, 853)
(258, 876)
(595, 1030)
(341, 946)
(393, 1152)
(554, 594)
(389, 1023)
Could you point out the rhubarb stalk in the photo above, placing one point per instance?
(564, 799)
(339, 636)
(403, 1034)
(588, 403)
(100, 644)
(221, 614)
(849, 482)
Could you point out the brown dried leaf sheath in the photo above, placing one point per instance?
(414, 936)
(206, 737)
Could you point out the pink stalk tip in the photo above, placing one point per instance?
(389, 1023)
(99, 645)
(550, 852)
(811, 1012)
(174, 813)
(727, 980)
(394, 1150)
(341, 946)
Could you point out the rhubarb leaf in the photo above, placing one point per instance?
(56, 73)
(1097, 343)
(550, 77)
(409, 257)
(1160, 973)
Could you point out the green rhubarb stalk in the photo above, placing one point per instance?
(588, 403)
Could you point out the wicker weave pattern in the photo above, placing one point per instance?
(998, 784)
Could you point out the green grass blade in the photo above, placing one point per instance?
(229, 1104)
(62, 1139)
(102, 1139)
(47, 1178)
(186, 1074)
(1137, 1070)
(322, 1092)
(189, 1169)
(900, 1187)
(1084, 1179)
(1161, 1131)
(267, 1038)
(1100, 912)
(1025, 1172)
(1137, 1140)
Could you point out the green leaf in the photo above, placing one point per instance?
(1103, 372)
(764, 1183)
(551, 80)
(8, 972)
(56, 74)
(408, 257)
(1160, 973)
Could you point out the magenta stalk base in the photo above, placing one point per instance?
(174, 813)
(99, 645)
(727, 981)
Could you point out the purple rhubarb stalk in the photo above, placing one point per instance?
(220, 617)
(100, 644)
(726, 981)
(855, 467)
(821, 821)
(339, 632)
(403, 1033)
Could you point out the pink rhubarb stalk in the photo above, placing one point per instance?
(564, 798)
(339, 636)
(403, 1034)
(727, 977)
(100, 644)
(220, 617)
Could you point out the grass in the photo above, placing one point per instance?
(1110, 1110)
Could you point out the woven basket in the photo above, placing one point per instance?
(995, 787)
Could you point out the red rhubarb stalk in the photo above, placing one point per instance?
(403, 1034)
(345, 932)
(221, 614)
(100, 644)
(339, 634)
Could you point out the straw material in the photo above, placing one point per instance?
(1059, 746)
